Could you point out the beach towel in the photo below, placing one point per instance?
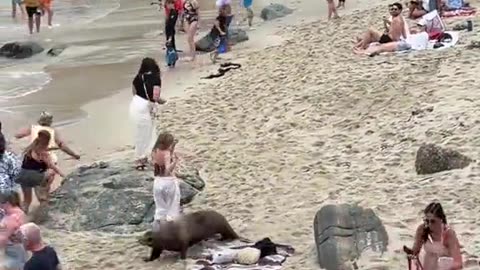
(221, 255)
(463, 12)
(418, 41)
(432, 22)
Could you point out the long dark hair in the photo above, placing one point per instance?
(435, 209)
(3, 144)
(149, 65)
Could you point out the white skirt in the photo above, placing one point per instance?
(144, 127)
(166, 194)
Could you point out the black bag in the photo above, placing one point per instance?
(30, 178)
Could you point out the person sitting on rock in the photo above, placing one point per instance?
(166, 189)
(440, 242)
(43, 257)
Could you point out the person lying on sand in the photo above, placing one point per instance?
(416, 9)
(439, 241)
(394, 30)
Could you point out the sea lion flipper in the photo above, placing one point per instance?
(155, 254)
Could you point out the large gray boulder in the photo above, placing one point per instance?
(20, 50)
(274, 11)
(235, 36)
(112, 196)
(343, 232)
(432, 159)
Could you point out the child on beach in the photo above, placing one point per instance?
(166, 189)
(219, 33)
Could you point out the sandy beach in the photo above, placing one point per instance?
(303, 123)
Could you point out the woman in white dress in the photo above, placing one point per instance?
(146, 88)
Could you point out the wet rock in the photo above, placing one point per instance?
(20, 50)
(343, 232)
(234, 36)
(113, 196)
(56, 50)
(274, 11)
(432, 159)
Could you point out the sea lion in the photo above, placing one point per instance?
(186, 231)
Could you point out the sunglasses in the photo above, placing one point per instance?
(429, 221)
(393, 9)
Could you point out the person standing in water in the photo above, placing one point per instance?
(166, 189)
(190, 8)
(47, 8)
(19, 4)
(34, 12)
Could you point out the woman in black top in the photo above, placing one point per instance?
(146, 93)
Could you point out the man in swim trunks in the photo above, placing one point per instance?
(394, 29)
(34, 9)
(47, 7)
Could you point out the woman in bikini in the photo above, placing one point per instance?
(166, 190)
(439, 241)
(191, 22)
(10, 237)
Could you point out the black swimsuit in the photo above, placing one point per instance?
(30, 163)
(191, 14)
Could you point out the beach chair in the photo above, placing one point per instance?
(413, 261)
(433, 22)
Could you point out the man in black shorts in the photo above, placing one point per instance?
(34, 9)
(394, 29)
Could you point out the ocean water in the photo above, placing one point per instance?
(21, 77)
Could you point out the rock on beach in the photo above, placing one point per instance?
(274, 11)
(113, 196)
(343, 232)
(432, 159)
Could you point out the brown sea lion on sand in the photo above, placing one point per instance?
(186, 231)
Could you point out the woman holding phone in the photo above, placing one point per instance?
(166, 190)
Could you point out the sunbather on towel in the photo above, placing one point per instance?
(394, 30)
(416, 9)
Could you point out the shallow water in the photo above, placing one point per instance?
(14, 80)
